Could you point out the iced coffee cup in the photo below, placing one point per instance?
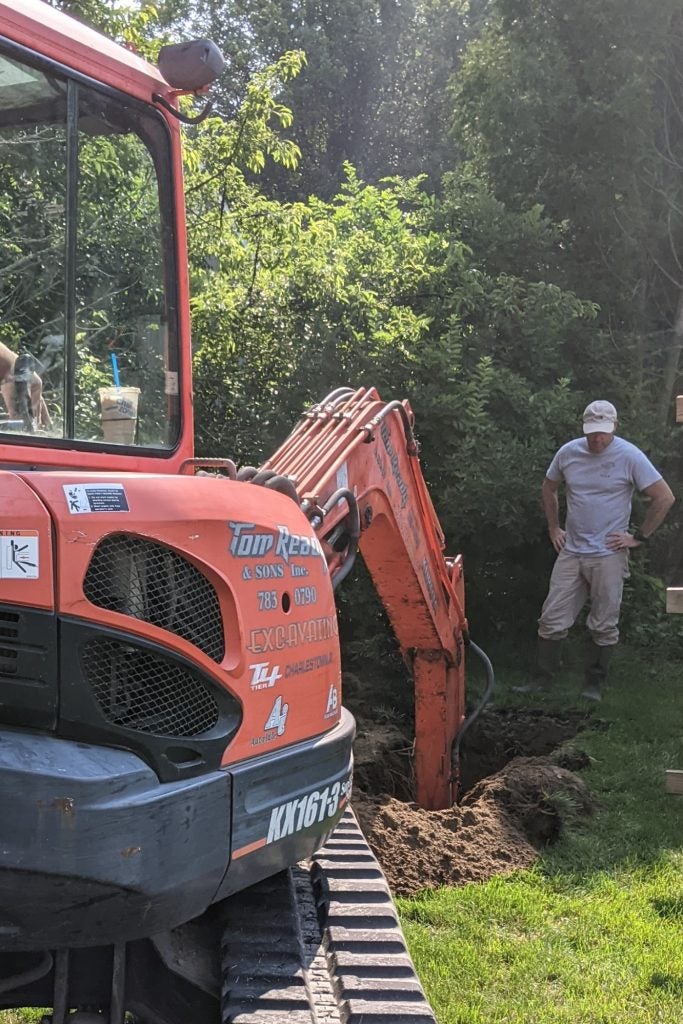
(119, 413)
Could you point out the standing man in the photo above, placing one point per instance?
(600, 472)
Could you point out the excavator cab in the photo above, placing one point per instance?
(88, 269)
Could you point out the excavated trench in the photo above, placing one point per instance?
(518, 790)
(502, 734)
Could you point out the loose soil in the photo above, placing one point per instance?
(518, 786)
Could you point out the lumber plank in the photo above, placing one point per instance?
(674, 600)
(673, 781)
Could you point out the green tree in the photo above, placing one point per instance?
(134, 24)
(373, 92)
(302, 298)
(577, 112)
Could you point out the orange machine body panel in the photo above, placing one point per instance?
(26, 551)
(265, 563)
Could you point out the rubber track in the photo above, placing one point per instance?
(321, 944)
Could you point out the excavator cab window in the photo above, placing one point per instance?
(87, 294)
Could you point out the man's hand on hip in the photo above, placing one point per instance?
(558, 537)
(619, 541)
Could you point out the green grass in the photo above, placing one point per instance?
(594, 933)
(27, 1016)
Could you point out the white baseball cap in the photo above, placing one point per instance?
(599, 416)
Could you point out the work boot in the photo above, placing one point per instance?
(597, 668)
(545, 668)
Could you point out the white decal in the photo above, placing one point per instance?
(306, 811)
(332, 702)
(82, 498)
(264, 571)
(267, 600)
(276, 638)
(19, 555)
(343, 477)
(277, 719)
(268, 571)
(285, 545)
(394, 463)
(263, 677)
(274, 725)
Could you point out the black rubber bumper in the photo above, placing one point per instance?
(285, 804)
(94, 849)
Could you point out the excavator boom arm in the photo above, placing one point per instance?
(353, 460)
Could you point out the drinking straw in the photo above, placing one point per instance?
(115, 368)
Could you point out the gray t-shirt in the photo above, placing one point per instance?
(599, 490)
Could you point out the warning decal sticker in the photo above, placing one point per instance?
(19, 555)
(95, 498)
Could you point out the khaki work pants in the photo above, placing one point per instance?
(573, 580)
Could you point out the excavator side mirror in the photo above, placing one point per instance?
(191, 66)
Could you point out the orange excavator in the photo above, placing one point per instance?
(171, 720)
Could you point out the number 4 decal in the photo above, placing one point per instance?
(277, 718)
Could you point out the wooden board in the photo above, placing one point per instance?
(679, 408)
(674, 600)
(673, 782)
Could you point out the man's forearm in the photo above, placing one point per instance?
(656, 514)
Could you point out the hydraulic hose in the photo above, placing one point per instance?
(321, 410)
(486, 696)
(284, 485)
(263, 476)
(353, 517)
(336, 395)
(269, 478)
(411, 444)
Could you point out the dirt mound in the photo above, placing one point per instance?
(501, 734)
(500, 826)
(518, 789)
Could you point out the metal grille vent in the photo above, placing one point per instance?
(9, 625)
(149, 581)
(136, 689)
